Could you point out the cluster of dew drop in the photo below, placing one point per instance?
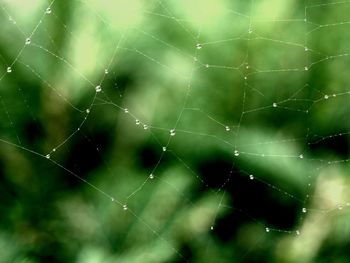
(172, 132)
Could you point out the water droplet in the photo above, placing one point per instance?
(267, 229)
(306, 68)
(274, 104)
(126, 110)
(245, 77)
(9, 69)
(207, 65)
(151, 176)
(145, 127)
(27, 41)
(47, 156)
(236, 153)
(297, 232)
(306, 49)
(326, 97)
(250, 31)
(87, 111)
(227, 128)
(301, 156)
(125, 207)
(54, 149)
(137, 122)
(304, 210)
(211, 228)
(48, 10)
(251, 177)
(199, 46)
(172, 132)
(98, 88)
(195, 59)
(340, 207)
(112, 199)
(106, 71)
(247, 67)
(164, 149)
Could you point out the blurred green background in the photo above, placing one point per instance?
(220, 134)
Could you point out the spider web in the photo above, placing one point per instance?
(169, 131)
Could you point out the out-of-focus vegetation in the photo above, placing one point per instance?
(255, 171)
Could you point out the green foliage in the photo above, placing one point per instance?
(254, 171)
